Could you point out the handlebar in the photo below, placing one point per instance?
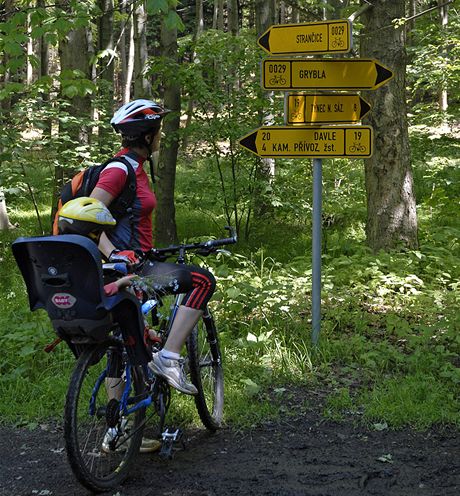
(203, 248)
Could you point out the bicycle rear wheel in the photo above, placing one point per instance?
(206, 372)
(101, 445)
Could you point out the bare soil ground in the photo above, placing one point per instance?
(306, 456)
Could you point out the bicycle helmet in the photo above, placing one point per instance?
(137, 118)
(85, 216)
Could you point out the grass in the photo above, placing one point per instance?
(389, 345)
(419, 400)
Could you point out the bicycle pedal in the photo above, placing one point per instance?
(169, 437)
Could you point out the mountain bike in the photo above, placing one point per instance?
(103, 431)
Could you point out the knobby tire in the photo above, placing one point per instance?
(84, 433)
(206, 372)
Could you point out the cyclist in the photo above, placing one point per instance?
(139, 123)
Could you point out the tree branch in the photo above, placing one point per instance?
(360, 11)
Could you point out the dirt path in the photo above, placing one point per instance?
(305, 456)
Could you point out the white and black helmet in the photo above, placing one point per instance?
(137, 118)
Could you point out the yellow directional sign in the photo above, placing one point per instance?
(325, 108)
(313, 37)
(314, 142)
(329, 74)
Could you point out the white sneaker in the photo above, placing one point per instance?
(173, 372)
(123, 438)
(147, 445)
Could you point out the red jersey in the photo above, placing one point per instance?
(135, 233)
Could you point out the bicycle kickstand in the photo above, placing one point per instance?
(169, 437)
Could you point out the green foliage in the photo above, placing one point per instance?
(225, 94)
(53, 24)
(434, 53)
(389, 342)
(417, 400)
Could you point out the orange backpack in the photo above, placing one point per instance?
(83, 183)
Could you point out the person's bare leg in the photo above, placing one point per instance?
(114, 387)
(168, 363)
(184, 322)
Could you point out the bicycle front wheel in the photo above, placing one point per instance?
(101, 445)
(206, 372)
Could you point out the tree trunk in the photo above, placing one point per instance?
(391, 215)
(141, 84)
(265, 16)
(295, 14)
(44, 48)
(443, 18)
(166, 231)
(74, 51)
(233, 18)
(412, 12)
(30, 52)
(44, 68)
(4, 220)
(128, 76)
(106, 71)
(199, 14)
(218, 19)
(199, 28)
(282, 12)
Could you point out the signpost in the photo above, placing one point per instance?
(325, 108)
(314, 37)
(316, 140)
(308, 141)
(328, 74)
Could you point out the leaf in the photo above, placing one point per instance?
(173, 21)
(157, 6)
(12, 48)
(251, 387)
(70, 91)
(233, 292)
(251, 338)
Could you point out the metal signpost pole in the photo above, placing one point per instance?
(316, 249)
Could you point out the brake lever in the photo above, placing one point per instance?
(155, 255)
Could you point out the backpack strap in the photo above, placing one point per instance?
(123, 204)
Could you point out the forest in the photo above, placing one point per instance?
(388, 350)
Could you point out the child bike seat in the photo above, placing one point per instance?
(63, 275)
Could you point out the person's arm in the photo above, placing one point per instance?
(101, 194)
(105, 245)
(114, 183)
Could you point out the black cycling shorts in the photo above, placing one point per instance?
(197, 283)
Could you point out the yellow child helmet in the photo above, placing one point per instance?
(85, 216)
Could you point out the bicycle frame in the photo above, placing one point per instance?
(125, 409)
